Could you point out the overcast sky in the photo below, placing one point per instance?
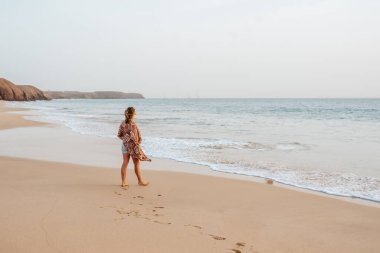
(197, 48)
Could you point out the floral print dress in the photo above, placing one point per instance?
(130, 135)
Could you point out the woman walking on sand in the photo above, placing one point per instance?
(130, 135)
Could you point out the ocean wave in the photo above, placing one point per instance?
(334, 183)
(225, 144)
(289, 146)
(342, 184)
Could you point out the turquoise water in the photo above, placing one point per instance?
(328, 145)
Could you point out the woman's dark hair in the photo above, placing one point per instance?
(129, 112)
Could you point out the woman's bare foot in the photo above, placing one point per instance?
(143, 183)
(124, 185)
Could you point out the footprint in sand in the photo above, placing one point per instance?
(144, 216)
(160, 222)
(194, 226)
(216, 237)
(238, 247)
(117, 193)
(122, 212)
(132, 212)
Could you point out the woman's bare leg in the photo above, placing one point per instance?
(124, 169)
(138, 173)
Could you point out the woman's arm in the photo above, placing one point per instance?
(139, 135)
(120, 133)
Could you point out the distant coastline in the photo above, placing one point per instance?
(12, 92)
(92, 95)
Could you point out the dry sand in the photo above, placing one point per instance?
(61, 207)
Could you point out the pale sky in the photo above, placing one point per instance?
(197, 48)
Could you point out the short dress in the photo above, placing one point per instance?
(129, 133)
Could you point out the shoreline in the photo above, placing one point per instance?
(80, 207)
(57, 129)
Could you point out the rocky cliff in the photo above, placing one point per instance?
(11, 92)
(91, 95)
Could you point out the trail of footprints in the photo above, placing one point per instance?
(151, 214)
(148, 213)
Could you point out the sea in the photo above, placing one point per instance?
(325, 145)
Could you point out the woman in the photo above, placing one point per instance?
(130, 134)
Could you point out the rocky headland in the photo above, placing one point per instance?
(12, 92)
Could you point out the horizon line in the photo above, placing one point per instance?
(262, 97)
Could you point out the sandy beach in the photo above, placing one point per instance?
(73, 203)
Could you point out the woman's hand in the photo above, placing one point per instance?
(139, 136)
